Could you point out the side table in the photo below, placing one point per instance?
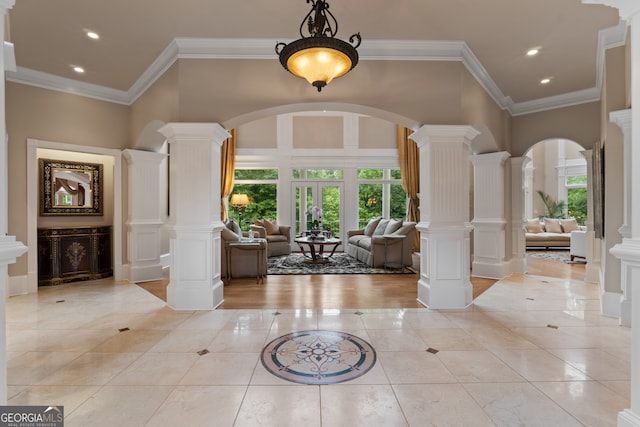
(257, 245)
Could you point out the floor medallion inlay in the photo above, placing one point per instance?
(318, 357)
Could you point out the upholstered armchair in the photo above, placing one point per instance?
(278, 236)
(244, 263)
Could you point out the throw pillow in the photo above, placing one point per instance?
(234, 226)
(393, 226)
(552, 225)
(569, 225)
(382, 226)
(534, 226)
(272, 227)
(371, 226)
(228, 235)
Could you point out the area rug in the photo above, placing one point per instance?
(340, 263)
(556, 255)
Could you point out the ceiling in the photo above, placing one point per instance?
(490, 36)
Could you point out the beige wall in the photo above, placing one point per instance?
(261, 133)
(579, 123)
(318, 132)
(58, 117)
(376, 133)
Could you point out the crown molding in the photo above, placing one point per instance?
(370, 50)
(626, 8)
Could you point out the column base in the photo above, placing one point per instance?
(445, 295)
(145, 273)
(490, 270)
(627, 418)
(195, 297)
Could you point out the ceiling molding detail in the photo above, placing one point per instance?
(371, 50)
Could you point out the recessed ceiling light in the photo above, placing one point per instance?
(545, 81)
(78, 69)
(533, 52)
(92, 35)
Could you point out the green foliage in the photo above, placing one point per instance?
(577, 204)
(555, 209)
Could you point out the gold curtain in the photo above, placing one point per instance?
(410, 170)
(227, 170)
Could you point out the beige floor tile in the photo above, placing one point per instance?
(595, 362)
(131, 341)
(199, 406)
(336, 320)
(623, 388)
(414, 367)
(360, 405)
(604, 404)
(450, 339)
(118, 406)
(216, 319)
(519, 404)
(396, 340)
(71, 397)
(156, 369)
(221, 369)
(32, 367)
(440, 405)
(91, 369)
(185, 341)
(282, 406)
(477, 366)
(500, 338)
(239, 341)
(539, 365)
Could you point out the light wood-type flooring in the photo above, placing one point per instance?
(349, 290)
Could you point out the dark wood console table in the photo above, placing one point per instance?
(66, 254)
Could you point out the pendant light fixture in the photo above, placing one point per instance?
(318, 56)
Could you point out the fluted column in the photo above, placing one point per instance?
(518, 238)
(10, 249)
(444, 215)
(143, 220)
(629, 250)
(593, 269)
(195, 281)
(489, 219)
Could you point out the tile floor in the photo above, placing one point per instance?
(530, 351)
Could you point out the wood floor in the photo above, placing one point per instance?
(349, 290)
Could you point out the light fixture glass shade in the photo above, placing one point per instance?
(319, 64)
(239, 200)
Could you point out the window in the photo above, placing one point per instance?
(577, 197)
(380, 193)
(261, 186)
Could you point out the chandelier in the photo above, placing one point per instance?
(318, 56)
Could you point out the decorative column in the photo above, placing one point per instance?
(144, 219)
(629, 250)
(444, 214)
(593, 268)
(489, 220)
(195, 281)
(518, 241)
(623, 120)
(10, 249)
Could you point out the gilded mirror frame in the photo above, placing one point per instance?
(48, 187)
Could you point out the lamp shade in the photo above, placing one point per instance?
(239, 200)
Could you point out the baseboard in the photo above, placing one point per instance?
(19, 285)
(610, 304)
(165, 260)
(490, 270)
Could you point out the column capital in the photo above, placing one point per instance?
(137, 156)
(429, 133)
(194, 131)
(7, 4)
(490, 159)
(622, 118)
(626, 8)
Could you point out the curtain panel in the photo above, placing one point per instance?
(409, 155)
(227, 170)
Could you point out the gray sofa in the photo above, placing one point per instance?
(383, 241)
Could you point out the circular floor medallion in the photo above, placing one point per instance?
(318, 357)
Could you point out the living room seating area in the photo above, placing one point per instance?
(383, 243)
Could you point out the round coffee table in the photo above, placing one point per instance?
(317, 256)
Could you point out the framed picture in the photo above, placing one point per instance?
(70, 188)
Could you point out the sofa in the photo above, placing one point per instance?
(383, 243)
(278, 236)
(550, 232)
